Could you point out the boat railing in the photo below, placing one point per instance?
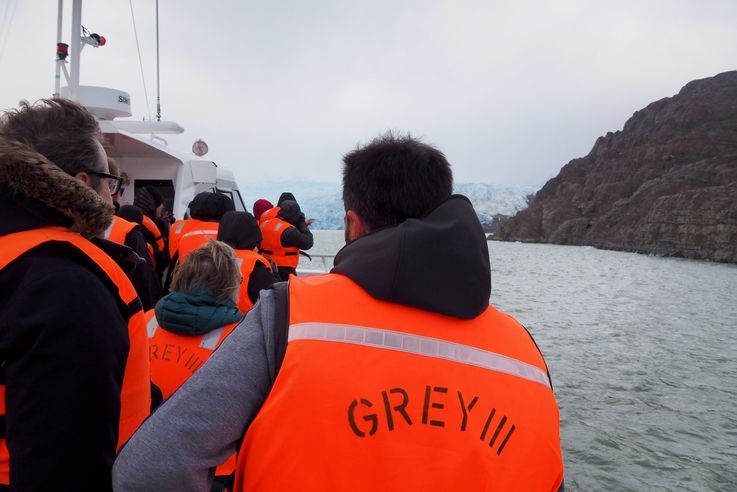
(316, 264)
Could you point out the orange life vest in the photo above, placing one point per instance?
(269, 214)
(118, 230)
(135, 395)
(373, 395)
(271, 247)
(247, 260)
(149, 224)
(174, 358)
(175, 234)
(194, 234)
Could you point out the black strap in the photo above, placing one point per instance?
(281, 322)
(135, 306)
(550, 380)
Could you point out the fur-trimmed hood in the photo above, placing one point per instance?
(35, 192)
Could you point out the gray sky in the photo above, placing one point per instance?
(509, 90)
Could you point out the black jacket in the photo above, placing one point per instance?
(63, 337)
(298, 236)
(143, 277)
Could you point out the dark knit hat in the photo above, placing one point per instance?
(131, 214)
(209, 206)
(239, 230)
(260, 206)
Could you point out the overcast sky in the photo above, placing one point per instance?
(509, 90)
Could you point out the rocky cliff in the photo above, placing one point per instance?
(666, 184)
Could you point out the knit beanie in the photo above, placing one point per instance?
(260, 206)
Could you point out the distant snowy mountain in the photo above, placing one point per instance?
(323, 201)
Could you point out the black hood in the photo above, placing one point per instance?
(239, 230)
(290, 211)
(284, 197)
(210, 207)
(438, 263)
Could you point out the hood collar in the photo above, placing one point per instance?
(438, 263)
(47, 194)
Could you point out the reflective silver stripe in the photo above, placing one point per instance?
(179, 228)
(419, 345)
(278, 226)
(210, 339)
(239, 261)
(209, 232)
(109, 229)
(152, 326)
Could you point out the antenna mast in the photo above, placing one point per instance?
(76, 45)
(158, 79)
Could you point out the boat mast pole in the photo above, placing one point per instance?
(57, 75)
(158, 80)
(76, 46)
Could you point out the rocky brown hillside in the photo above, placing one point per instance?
(666, 184)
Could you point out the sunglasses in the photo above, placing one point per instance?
(115, 183)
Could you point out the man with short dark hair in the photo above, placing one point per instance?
(74, 377)
(392, 372)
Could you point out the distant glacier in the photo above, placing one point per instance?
(323, 201)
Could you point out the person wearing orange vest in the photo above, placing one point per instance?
(284, 235)
(155, 226)
(392, 372)
(74, 378)
(259, 207)
(193, 320)
(129, 233)
(205, 210)
(240, 231)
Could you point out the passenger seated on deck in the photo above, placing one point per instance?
(240, 231)
(392, 372)
(192, 321)
(74, 373)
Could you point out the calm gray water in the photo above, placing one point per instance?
(643, 355)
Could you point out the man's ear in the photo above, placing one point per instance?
(355, 226)
(84, 177)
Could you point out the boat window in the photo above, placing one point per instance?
(236, 197)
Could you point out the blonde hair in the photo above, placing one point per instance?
(212, 267)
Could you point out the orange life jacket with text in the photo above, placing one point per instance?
(269, 214)
(174, 358)
(135, 395)
(271, 247)
(194, 234)
(373, 395)
(247, 260)
(149, 224)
